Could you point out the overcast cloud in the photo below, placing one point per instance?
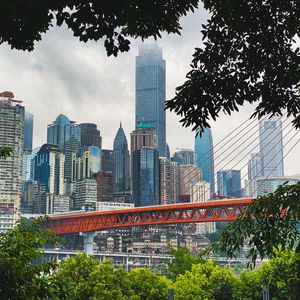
(63, 75)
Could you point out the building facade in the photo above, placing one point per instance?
(205, 157)
(49, 168)
(121, 161)
(66, 135)
(107, 160)
(86, 162)
(185, 157)
(229, 183)
(271, 147)
(105, 186)
(150, 91)
(11, 135)
(145, 177)
(90, 135)
(189, 176)
(85, 193)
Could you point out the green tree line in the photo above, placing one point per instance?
(24, 276)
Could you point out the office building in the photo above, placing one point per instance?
(271, 147)
(107, 160)
(86, 162)
(174, 179)
(49, 165)
(66, 135)
(254, 172)
(28, 133)
(185, 157)
(264, 186)
(145, 177)
(205, 157)
(90, 135)
(85, 194)
(121, 161)
(150, 89)
(229, 183)
(11, 135)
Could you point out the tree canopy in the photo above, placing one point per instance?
(270, 222)
(248, 53)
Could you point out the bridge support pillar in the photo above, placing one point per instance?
(88, 239)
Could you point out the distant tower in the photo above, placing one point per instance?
(49, 168)
(121, 161)
(11, 135)
(28, 133)
(66, 135)
(270, 144)
(229, 183)
(145, 177)
(185, 157)
(90, 135)
(205, 157)
(150, 91)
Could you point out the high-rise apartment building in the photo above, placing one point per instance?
(189, 176)
(150, 91)
(66, 135)
(11, 135)
(168, 181)
(229, 183)
(121, 161)
(200, 192)
(105, 186)
(90, 135)
(49, 168)
(205, 157)
(86, 162)
(85, 193)
(145, 177)
(271, 147)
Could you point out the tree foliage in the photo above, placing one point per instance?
(270, 222)
(205, 281)
(182, 261)
(281, 274)
(248, 56)
(21, 277)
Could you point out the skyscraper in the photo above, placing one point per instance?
(121, 161)
(28, 133)
(271, 148)
(185, 157)
(66, 135)
(150, 89)
(49, 168)
(107, 160)
(145, 177)
(229, 183)
(90, 135)
(205, 157)
(11, 135)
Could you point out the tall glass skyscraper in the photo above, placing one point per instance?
(270, 144)
(150, 91)
(121, 161)
(205, 157)
(28, 131)
(65, 134)
(145, 177)
(90, 135)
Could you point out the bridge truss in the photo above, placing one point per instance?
(212, 211)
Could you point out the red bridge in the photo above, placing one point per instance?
(212, 211)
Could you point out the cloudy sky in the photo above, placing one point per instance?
(63, 75)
